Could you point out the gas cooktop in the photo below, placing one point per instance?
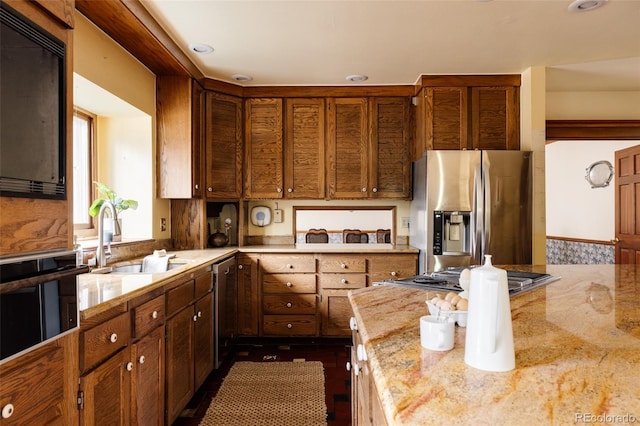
(447, 280)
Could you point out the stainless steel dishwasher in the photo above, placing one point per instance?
(225, 300)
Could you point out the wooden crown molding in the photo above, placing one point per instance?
(592, 130)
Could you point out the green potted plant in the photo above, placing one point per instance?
(120, 204)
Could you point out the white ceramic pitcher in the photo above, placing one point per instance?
(489, 340)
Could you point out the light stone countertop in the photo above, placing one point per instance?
(577, 343)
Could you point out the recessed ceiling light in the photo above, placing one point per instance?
(585, 5)
(357, 78)
(241, 77)
(200, 48)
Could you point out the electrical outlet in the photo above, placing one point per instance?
(405, 222)
(163, 224)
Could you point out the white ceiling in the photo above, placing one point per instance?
(394, 42)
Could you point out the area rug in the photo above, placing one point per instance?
(270, 394)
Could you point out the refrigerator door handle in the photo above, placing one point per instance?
(486, 177)
(477, 234)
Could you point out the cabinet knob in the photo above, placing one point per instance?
(129, 366)
(353, 324)
(197, 186)
(289, 285)
(210, 189)
(240, 267)
(348, 366)
(113, 338)
(364, 189)
(289, 266)
(289, 304)
(290, 190)
(278, 190)
(289, 325)
(7, 411)
(356, 369)
(343, 281)
(394, 273)
(141, 359)
(199, 314)
(375, 189)
(195, 318)
(361, 352)
(154, 314)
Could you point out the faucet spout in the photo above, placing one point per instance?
(101, 255)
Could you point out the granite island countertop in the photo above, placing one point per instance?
(577, 343)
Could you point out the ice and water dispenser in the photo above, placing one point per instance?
(451, 232)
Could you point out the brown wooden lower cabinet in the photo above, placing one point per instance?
(40, 387)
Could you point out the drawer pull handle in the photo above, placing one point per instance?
(394, 273)
(141, 359)
(129, 366)
(289, 304)
(289, 285)
(7, 411)
(195, 318)
(289, 266)
(343, 266)
(343, 281)
(289, 325)
(154, 314)
(113, 338)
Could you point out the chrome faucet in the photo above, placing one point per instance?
(101, 254)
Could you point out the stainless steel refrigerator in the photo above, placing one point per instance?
(470, 203)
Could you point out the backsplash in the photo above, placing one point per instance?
(562, 252)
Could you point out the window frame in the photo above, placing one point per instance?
(88, 229)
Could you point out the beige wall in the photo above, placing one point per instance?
(593, 106)
(105, 63)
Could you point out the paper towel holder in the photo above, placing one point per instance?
(261, 216)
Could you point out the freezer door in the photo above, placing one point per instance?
(507, 179)
(452, 178)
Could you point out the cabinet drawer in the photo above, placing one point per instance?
(204, 284)
(103, 340)
(289, 304)
(290, 325)
(343, 263)
(180, 297)
(148, 316)
(288, 263)
(289, 283)
(384, 267)
(343, 280)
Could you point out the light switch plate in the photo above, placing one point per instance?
(277, 216)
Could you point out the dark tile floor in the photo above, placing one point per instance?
(334, 355)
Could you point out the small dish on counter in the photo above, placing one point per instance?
(460, 317)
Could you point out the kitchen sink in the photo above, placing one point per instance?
(132, 268)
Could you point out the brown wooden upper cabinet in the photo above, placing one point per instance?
(304, 148)
(468, 112)
(263, 148)
(180, 106)
(223, 146)
(368, 147)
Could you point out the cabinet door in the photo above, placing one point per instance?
(203, 339)
(248, 296)
(148, 380)
(179, 105)
(495, 118)
(446, 118)
(304, 149)
(347, 149)
(335, 312)
(179, 362)
(263, 150)
(390, 166)
(223, 146)
(106, 392)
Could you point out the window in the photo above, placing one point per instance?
(83, 131)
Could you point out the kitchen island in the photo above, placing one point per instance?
(577, 343)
